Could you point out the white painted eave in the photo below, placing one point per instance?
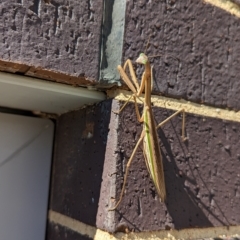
(32, 94)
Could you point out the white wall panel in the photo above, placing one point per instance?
(25, 161)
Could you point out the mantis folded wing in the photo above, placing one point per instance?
(151, 148)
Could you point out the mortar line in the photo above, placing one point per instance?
(98, 234)
(226, 5)
(176, 104)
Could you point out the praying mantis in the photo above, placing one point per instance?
(151, 148)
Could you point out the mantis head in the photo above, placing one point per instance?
(142, 59)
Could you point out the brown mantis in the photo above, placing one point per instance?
(151, 149)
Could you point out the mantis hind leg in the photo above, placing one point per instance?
(126, 172)
(183, 122)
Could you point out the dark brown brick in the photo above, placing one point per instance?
(203, 37)
(60, 37)
(202, 175)
(80, 146)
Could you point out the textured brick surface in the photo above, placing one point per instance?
(56, 232)
(202, 176)
(204, 38)
(59, 36)
(80, 146)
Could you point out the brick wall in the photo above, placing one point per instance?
(81, 43)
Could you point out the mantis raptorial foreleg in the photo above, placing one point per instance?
(124, 105)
